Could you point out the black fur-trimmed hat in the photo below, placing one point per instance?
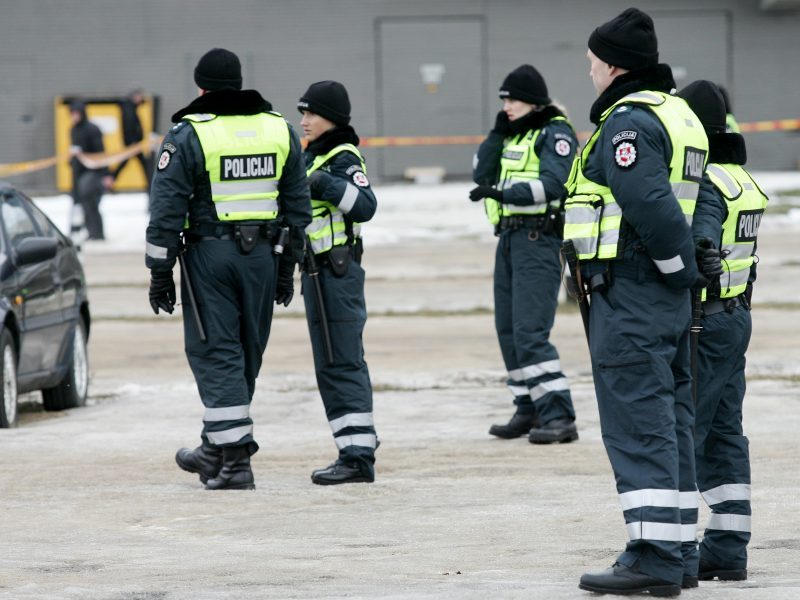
(327, 99)
(527, 84)
(628, 40)
(218, 69)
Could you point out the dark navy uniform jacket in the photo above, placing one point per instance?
(181, 186)
(655, 227)
(553, 167)
(330, 182)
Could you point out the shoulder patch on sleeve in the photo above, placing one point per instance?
(563, 147)
(163, 160)
(178, 126)
(169, 147)
(352, 169)
(360, 179)
(625, 152)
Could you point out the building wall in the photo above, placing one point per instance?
(52, 48)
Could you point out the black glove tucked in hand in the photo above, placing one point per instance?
(485, 191)
(502, 124)
(284, 292)
(709, 263)
(162, 291)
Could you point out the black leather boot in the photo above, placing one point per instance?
(555, 431)
(519, 425)
(235, 473)
(343, 472)
(623, 581)
(204, 460)
(708, 571)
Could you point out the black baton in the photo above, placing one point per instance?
(571, 258)
(190, 290)
(312, 268)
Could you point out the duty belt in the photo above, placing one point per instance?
(713, 307)
(206, 232)
(521, 222)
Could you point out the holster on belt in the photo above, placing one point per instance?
(247, 237)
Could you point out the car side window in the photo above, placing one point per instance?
(46, 227)
(16, 221)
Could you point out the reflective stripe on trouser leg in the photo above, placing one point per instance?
(535, 280)
(241, 290)
(344, 385)
(722, 452)
(504, 326)
(633, 366)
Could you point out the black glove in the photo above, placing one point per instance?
(162, 291)
(485, 191)
(316, 181)
(284, 292)
(502, 124)
(709, 264)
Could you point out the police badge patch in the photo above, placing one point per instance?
(625, 154)
(360, 179)
(163, 160)
(563, 148)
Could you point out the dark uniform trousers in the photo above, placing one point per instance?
(639, 332)
(527, 276)
(722, 454)
(235, 295)
(345, 384)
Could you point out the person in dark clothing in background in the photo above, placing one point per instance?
(87, 184)
(132, 133)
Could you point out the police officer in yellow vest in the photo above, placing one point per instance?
(632, 196)
(728, 213)
(520, 170)
(229, 178)
(341, 199)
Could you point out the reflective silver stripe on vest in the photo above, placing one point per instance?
(734, 279)
(649, 530)
(548, 366)
(246, 206)
(727, 492)
(237, 188)
(537, 191)
(154, 251)
(352, 420)
(738, 251)
(646, 96)
(227, 413)
(348, 198)
(648, 497)
(528, 209)
(556, 385)
(670, 265)
(728, 182)
(362, 439)
(323, 222)
(686, 190)
(229, 436)
(728, 522)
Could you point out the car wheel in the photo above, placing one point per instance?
(71, 391)
(8, 385)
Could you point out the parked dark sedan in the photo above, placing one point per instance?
(44, 310)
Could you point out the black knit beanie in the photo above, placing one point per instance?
(525, 83)
(706, 101)
(627, 41)
(327, 99)
(218, 69)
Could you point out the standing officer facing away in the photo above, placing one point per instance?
(632, 195)
(520, 170)
(229, 177)
(341, 199)
(730, 220)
